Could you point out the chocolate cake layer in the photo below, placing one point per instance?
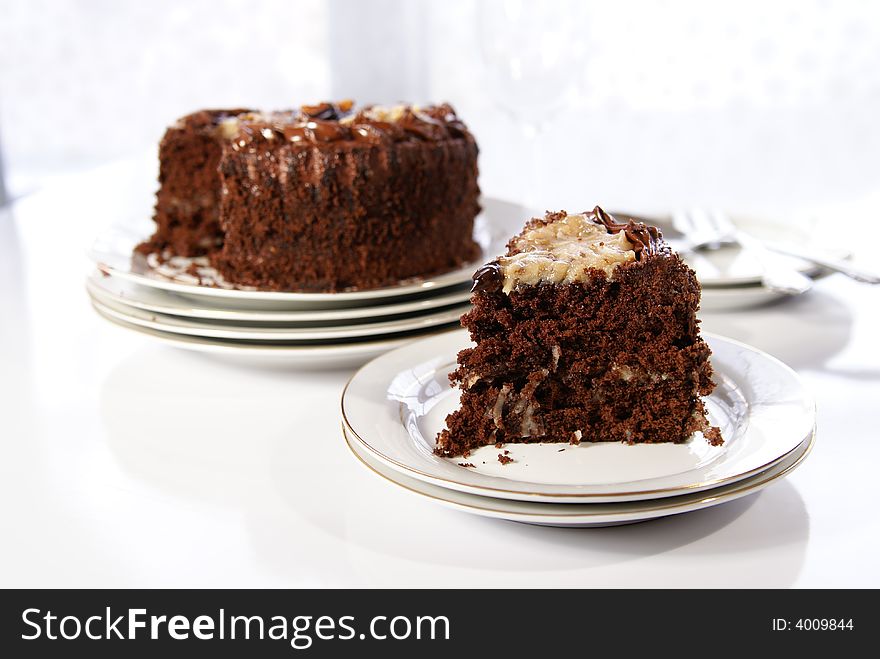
(323, 198)
(582, 340)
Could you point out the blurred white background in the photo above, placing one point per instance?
(752, 106)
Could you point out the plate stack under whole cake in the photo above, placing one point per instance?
(326, 234)
(582, 392)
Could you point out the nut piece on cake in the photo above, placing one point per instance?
(585, 331)
(324, 198)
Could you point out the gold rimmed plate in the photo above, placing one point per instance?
(583, 515)
(395, 406)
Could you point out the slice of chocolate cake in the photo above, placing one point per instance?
(585, 330)
(323, 198)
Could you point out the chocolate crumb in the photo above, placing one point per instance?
(503, 459)
(499, 444)
(465, 464)
(713, 436)
(560, 450)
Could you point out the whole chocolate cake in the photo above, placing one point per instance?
(323, 198)
(585, 330)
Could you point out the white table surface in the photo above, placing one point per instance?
(126, 463)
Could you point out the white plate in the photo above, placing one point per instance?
(733, 266)
(159, 301)
(112, 253)
(397, 404)
(268, 355)
(213, 330)
(583, 515)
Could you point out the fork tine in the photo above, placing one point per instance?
(688, 221)
(710, 221)
(703, 228)
(681, 221)
(704, 232)
(722, 226)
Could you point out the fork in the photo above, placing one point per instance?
(856, 272)
(707, 229)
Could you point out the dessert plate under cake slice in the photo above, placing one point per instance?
(395, 406)
(583, 515)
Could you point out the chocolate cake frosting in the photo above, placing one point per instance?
(325, 197)
(585, 330)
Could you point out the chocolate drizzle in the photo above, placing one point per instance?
(488, 279)
(645, 239)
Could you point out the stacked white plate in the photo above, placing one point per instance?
(282, 330)
(184, 302)
(394, 407)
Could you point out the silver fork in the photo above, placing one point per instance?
(710, 229)
(713, 240)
